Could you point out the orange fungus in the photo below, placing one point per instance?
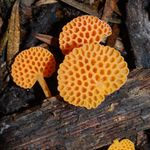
(89, 73)
(82, 30)
(33, 65)
(124, 144)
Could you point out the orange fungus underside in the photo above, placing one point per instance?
(82, 30)
(124, 144)
(89, 73)
(30, 64)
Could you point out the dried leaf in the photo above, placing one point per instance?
(44, 45)
(4, 75)
(113, 20)
(91, 2)
(82, 7)
(112, 107)
(110, 6)
(26, 10)
(120, 46)
(43, 2)
(113, 37)
(3, 42)
(1, 23)
(47, 39)
(13, 32)
(117, 11)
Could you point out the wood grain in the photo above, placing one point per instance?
(58, 125)
(138, 24)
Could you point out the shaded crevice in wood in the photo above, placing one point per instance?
(138, 24)
(58, 125)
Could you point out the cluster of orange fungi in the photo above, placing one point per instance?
(89, 72)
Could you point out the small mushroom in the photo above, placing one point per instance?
(89, 73)
(124, 144)
(33, 65)
(82, 30)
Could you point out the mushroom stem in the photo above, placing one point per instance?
(44, 86)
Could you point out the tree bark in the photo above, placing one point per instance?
(138, 24)
(59, 125)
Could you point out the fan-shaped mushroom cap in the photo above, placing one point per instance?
(82, 30)
(124, 144)
(31, 64)
(89, 73)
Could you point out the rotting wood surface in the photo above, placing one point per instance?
(58, 125)
(138, 23)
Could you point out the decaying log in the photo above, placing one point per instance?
(58, 125)
(138, 23)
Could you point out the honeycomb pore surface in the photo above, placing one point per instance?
(89, 73)
(82, 30)
(124, 144)
(30, 63)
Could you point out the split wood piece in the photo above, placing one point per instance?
(113, 37)
(33, 65)
(138, 24)
(109, 9)
(57, 125)
(48, 39)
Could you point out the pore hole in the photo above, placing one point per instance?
(84, 78)
(78, 94)
(76, 88)
(97, 38)
(108, 72)
(95, 70)
(97, 77)
(79, 40)
(105, 58)
(81, 34)
(104, 78)
(87, 35)
(100, 65)
(83, 29)
(83, 90)
(90, 75)
(93, 61)
(93, 33)
(79, 82)
(116, 71)
(107, 65)
(95, 26)
(112, 78)
(82, 71)
(89, 28)
(90, 94)
(86, 84)
(81, 64)
(102, 72)
(84, 96)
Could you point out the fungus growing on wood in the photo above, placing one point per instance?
(82, 30)
(124, 144)
(33, 65)
(89, 73)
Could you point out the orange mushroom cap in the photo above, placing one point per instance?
(82, 30)
(89, 73)
(32, 65)
(124, 144)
